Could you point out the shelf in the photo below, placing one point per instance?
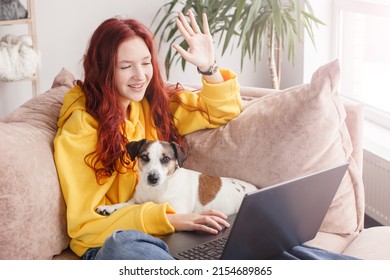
(30, 22)
(27, 79)
(15, 21)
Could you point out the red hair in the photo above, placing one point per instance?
(102, 100)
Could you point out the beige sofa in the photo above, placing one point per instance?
(278, 136)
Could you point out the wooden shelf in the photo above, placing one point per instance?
(30, 22)
(16, 21)
(32, 78)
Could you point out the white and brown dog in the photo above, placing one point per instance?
(161, 179)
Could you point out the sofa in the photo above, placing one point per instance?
(280, 135)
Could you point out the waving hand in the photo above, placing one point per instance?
(201, 48)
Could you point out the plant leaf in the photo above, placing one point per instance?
(251, 22)
(231, 29)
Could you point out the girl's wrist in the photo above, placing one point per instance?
(208, 71)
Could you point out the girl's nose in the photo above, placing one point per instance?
(138, 72)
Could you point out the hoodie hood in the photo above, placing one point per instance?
(74, 100)
(138, 126)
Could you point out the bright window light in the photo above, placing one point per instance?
(364, 50)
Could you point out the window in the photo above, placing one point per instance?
(363, 47)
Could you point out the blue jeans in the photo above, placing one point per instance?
(135, 245)
(304, 252)
(130, 245)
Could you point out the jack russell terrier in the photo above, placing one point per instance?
(162, 179)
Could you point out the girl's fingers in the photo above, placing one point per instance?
(214, 213)
(222, 222)
(194, 24)
(206, 29)
(208, 229)
(182, 29)
(207, 226)
(182, 52)
(217, 223)
(210, 221)
(185, 24)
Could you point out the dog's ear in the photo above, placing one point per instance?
(134, 147)
(180, 152)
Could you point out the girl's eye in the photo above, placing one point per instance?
(165, 159)
(147, 63)
(125, 67)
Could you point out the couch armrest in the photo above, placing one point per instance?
(33, 212)
(371, 244)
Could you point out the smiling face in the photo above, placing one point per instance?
(133, 71)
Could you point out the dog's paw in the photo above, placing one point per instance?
(105, 210)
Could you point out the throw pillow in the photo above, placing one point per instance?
(283, 135)
(31, 230)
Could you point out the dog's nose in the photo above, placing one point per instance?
(153, 178)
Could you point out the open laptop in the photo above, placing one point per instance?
(269, 221)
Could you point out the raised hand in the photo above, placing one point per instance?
(201, 48)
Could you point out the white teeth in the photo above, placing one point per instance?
(136, 86)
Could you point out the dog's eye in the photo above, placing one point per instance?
(165, 159)
(145, 158)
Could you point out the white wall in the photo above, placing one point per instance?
(64, 29)
(324, 51)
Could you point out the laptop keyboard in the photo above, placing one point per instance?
(208, 251)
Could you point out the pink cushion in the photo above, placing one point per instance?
(283, 135)
(371, 244)
(33, 223)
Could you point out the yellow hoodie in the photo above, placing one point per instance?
(77, 137)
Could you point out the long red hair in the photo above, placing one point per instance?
(102, 100)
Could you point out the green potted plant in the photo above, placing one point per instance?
(253, 26)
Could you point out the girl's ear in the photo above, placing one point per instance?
(180, 153)
(134, 147)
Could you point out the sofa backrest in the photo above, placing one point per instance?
(279, 135)
(32, 210)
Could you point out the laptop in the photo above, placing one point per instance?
(270, 220)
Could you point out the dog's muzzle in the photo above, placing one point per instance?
(153, 178)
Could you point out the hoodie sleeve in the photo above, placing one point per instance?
(213, 106)
(75, 139)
